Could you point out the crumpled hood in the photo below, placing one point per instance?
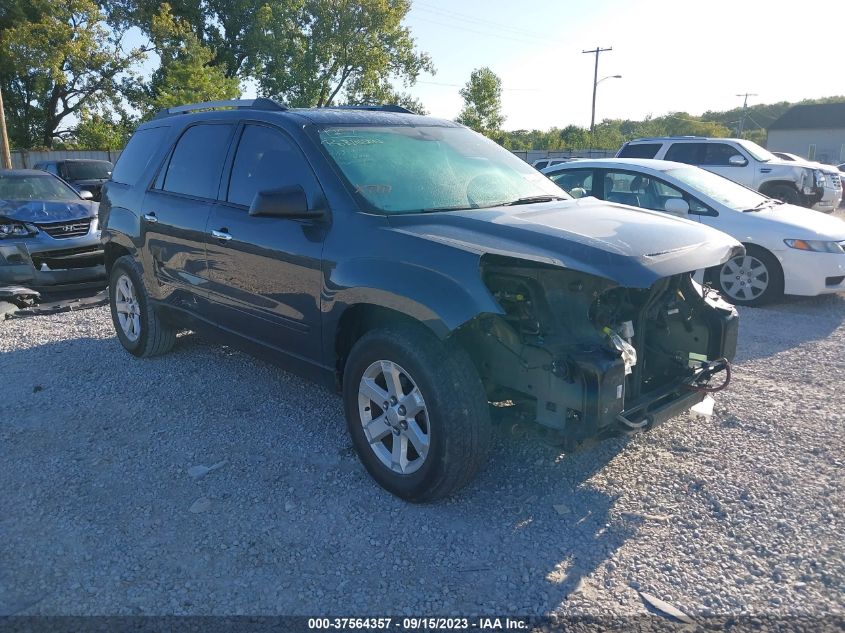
(802, 223)
(44, 211)
(633, 247)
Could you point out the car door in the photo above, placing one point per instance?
(647, 191)
(175, 212)
(265, 272)
(717, 158)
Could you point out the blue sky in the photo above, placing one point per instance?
(672, 55)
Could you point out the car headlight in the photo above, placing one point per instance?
(816, 246)
(16, 229)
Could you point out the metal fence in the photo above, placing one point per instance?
(25, 159)
(529, 156)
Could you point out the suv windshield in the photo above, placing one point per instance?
(421, 169)
(88, 170)
(35, 188)
(720, 189)
(757, 152)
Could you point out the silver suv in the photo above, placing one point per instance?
(747, 163)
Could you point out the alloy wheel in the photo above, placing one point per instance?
(127, 308)
(744, 278)
(394, 417)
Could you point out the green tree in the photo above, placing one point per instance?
(482, 96)
(186, 74)
(103, 131)
(337, 50)
(56, 59)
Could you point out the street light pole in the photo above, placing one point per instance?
(744, 110)
(596, 51)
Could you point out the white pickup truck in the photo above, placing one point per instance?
(802, 183)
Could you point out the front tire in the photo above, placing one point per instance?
(752, 279)
(786, 194)
(138, 327)
(416, 411)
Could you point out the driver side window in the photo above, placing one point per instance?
(578, 183)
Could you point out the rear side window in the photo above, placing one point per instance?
(689, 153)
(197, 160)
(265, 160)
(137, 154)
(639, 150)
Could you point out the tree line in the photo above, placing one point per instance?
(71, 79)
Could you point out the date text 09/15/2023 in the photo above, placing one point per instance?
(419, 624)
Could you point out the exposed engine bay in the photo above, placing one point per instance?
(586, 357)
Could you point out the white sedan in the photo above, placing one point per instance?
(789, 249)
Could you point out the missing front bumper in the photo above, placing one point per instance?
(76, 269)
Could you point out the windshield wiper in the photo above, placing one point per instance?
(762, 205)
(531, 200)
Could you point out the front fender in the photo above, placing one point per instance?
(122, 229)
(440, 301)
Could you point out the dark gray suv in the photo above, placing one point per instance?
(418, 267)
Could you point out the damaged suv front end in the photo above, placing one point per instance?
(586, 357)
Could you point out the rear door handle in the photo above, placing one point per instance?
(222, 235)
(151, 217)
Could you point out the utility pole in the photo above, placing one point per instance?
(596, 51)
(5, 156)
(744, 109)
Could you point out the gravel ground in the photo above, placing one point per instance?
(738, 514)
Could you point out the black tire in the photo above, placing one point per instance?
(786, 194)
(155, 337)
(731, 290)
(457, 416)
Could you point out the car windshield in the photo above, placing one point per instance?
(35, 188)
(757, 152)
(428, 168)
(721, 189)
(88, 170)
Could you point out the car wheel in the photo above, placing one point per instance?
(751, 279)
(786, 194)
(139, 329)
(416, 411)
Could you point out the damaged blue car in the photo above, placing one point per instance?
(49, 236)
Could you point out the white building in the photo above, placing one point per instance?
(814, 131)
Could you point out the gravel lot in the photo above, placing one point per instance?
(739, 514)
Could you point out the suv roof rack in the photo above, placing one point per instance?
(664, 138)
(253, 104)
(387, 107)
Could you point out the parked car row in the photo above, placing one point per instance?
(789, 249)
(796, 182)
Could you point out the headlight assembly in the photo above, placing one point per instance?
(816, 246)
(16, 229)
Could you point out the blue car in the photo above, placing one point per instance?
(49, 237)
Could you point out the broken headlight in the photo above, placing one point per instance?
(16, 229)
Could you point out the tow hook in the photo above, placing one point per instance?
(701, 380)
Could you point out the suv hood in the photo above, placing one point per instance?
(633, 247)
(38, 211)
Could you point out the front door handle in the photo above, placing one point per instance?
(151, 217)
(222, 234)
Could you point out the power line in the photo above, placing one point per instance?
(478, 21)
(486, 33)
(744, 110)
(596, 51)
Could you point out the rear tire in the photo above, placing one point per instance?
(437, 442)
(138, 327)
(753, 279)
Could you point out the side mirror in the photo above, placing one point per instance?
(286, 202)
(676, 206)
(737, 161)
(85, 194)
